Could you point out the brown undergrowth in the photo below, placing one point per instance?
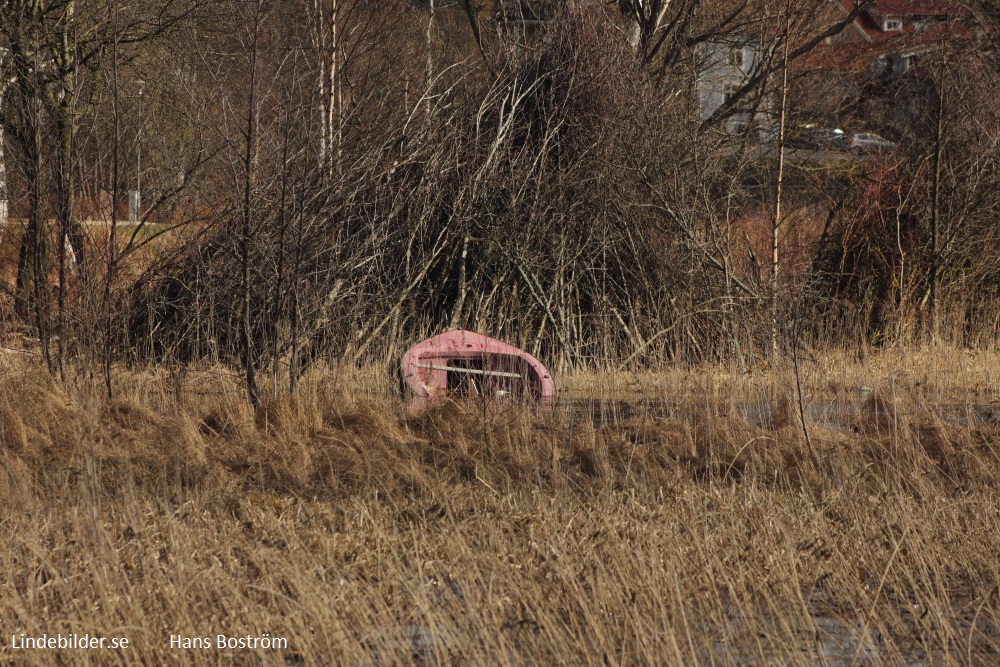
(489, 534)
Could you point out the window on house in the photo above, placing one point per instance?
(892, 25)
(900, 64)
(736, 58)
(729, 92)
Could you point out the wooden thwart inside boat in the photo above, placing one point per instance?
(474, 371)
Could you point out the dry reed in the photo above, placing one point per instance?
(677, 531)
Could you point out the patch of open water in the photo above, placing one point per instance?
(835, 642)
(833, 414)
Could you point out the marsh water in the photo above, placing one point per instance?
(836, 414)
(832, 642)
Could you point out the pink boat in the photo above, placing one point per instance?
(464, 363)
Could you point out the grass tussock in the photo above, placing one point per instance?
(481, 534)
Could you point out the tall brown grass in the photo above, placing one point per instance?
(675, 531)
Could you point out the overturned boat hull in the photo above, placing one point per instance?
(466, 364)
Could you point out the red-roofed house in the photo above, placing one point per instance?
(888, 37)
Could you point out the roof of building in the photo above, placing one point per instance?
(918, 7)
(914, 33)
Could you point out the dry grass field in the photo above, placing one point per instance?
(477, 534)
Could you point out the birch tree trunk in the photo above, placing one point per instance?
(4, 82)
(430, 58)
(776, 224)
(246, 231)
(934, 279)
(326, 40)
(3, 166)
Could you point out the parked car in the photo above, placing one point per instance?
(868, 142)
(816, 137)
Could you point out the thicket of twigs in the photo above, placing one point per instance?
(514, 209)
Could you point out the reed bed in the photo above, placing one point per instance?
(676, 532)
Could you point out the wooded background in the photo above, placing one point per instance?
(337, 179)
